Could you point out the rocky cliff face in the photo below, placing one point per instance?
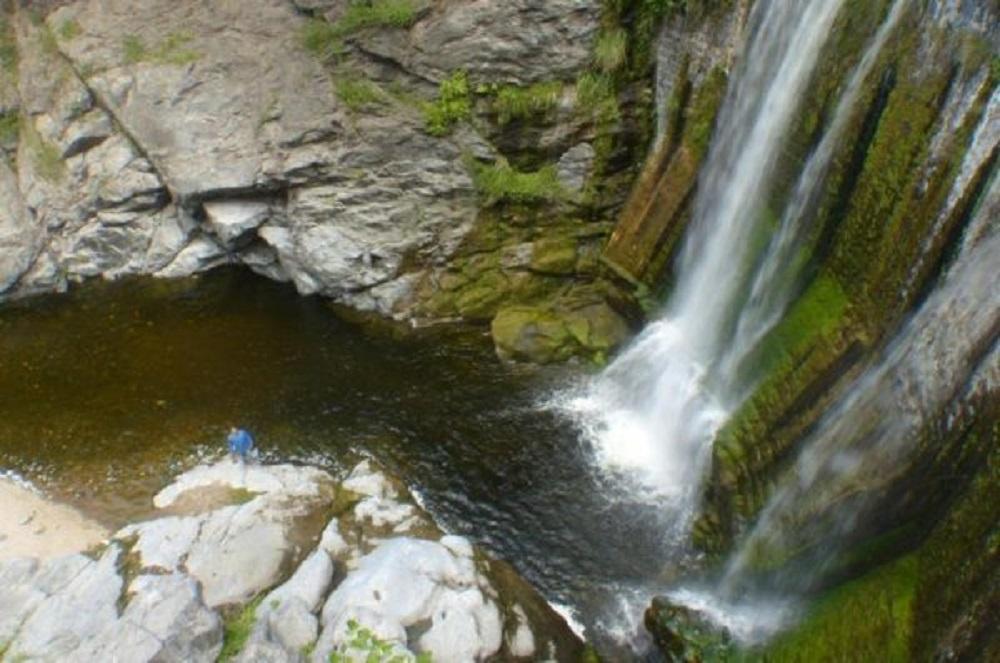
(424, 161)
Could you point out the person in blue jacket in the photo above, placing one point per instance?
(240, 443)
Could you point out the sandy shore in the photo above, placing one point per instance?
(33, 526)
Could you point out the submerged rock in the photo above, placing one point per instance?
(684, 635)
(319, 562)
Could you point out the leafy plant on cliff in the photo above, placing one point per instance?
(453, 104)
(237, 630)
(372, 649)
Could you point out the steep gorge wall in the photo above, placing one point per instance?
(422, 161)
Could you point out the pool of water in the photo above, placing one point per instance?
(113, 388)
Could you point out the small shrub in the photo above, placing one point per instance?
(453, 105)
(610, 49)
(516, 102)
(372, 649)
(69, 29)
(356, 93)
(501, 181)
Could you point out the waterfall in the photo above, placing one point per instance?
(936, 368)
(942, 363)
(773, 287)
(655, 409)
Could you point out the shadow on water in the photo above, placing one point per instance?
(113, 388)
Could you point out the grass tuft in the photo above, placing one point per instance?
(514, 102)
(501, 182)
(326, 40)
(237, 630)
(356, 93)
(10, 125)
(611, 49)
(69, 29)
(171, 50)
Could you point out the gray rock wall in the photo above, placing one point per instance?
(169, 137)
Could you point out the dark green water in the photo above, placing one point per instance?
(110, 390)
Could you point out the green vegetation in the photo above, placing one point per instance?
(501, 182)
(171, 50)
(454, 103)
(513, 102)
(356, 93)
(372, 649)
(868, 619)
(611, 49)
(237, 630)
(46, 157)
(8, 46)
(326, 40)
(69, 29)
(10, 124)
(376, 14)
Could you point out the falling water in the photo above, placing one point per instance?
(939, 365)
(779, 275)
(653, 412)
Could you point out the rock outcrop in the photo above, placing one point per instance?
(167, 138)
(306, 563)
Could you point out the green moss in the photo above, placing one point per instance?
(237, 630)
(454, 104)
(818, 312)
(172, 49)
(868, 619)
(372, 649)
(514, 102)
(501, 182)
(356, 93)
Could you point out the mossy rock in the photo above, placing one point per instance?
(554, 256)
(545, 335)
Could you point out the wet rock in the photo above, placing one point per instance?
(574, 166)
(683, 635)
(545, 334)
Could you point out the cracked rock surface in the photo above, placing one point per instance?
(309, 553)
